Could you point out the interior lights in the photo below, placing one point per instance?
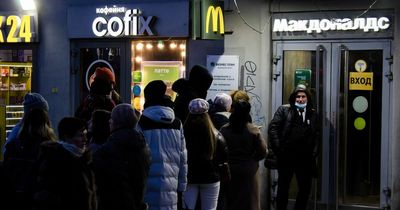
(149, 46)
(183, 53)
(182, 46)
(172, 45)
(160, 45)
(138, 59)
(139, 46)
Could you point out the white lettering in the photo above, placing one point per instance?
(383, 23)
(130, 24)
(318, 26)
(280, 25)
(96, 25)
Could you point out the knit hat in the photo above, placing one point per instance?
(34, 100)
(154, 92)
(198, 106)
(200, 78)
(105, 74)
(300, 88)
(223, 100)
(123, 116)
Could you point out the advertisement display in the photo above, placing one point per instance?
(225, 70)
(167, 71)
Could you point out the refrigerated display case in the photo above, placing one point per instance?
(15, 82)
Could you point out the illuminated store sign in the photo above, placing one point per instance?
(215, 13)
(333, 25)
(16, 28)
(131, 24)
(319, 26)
(211, 19)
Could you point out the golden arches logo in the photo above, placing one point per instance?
(215, 13)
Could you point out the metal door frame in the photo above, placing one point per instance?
(383, 45)
(125, 76)
(330, 112)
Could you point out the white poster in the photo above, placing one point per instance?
(225, 70)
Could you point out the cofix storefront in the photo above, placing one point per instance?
(345, 59)
(139, 43)
(18, 43)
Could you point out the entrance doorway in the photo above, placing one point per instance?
(349, 81)
(88, 55)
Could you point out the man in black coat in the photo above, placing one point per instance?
(293, 136)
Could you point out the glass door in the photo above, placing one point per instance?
(309, 64)
(87, 56)
(362, 129)
(351, 94)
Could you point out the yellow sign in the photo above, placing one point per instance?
(215, 13)
(361, 81)
(19, 29)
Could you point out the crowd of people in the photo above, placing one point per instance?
(184, 154)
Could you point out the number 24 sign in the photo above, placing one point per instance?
(19, 29)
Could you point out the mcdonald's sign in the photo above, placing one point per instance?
(215, 13)
(212, 19)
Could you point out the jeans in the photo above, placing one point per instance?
(208, 195)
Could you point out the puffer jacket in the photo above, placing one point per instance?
(121, 167)
(168, 170)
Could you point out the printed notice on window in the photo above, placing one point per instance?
(225, 70)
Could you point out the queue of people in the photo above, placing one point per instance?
(187, 154)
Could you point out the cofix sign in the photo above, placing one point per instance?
(132, 23)
(129, 20)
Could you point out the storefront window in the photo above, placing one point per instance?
(15, 82)
(156, 60)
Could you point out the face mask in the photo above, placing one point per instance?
(300, 106)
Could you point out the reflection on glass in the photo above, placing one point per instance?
(360, 130)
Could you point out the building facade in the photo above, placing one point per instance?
(346, 52)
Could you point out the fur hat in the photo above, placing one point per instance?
(223, 100)
(123, 116)
(104, 73)
(154, 93)
(34, 100)
(198, 106)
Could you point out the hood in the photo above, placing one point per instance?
(161, 114)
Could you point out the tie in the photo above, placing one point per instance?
(302, 114)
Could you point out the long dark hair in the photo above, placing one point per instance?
(36, 126)
(199, 133)
(240, 115)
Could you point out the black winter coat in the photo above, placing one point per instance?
(281, 132)
(121, 169)
(64, 181)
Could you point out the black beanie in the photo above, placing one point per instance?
(154, 92)
(200, 78)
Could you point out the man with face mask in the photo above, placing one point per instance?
(293, 138)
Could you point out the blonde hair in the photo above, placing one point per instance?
(238, 95)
